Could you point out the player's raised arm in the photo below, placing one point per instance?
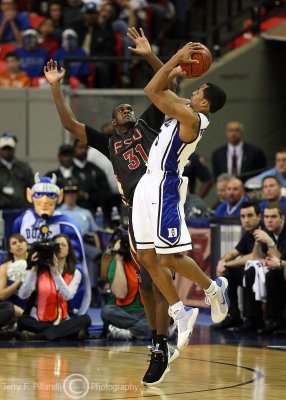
(69, 121)
(155, 89)
(142, 48)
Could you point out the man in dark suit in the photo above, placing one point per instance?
(237, 158)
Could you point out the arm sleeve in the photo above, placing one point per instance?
(28, 285)
(97, 140)
(68, 291)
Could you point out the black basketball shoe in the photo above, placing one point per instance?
(158, 366)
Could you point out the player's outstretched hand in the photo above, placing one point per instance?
(142, 44)
(52, 73)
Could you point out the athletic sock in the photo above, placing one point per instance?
(162, 341)
(154, 337)
(210, 289)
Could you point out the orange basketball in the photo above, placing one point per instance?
(195, 70)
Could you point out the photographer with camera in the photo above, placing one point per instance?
(123, 316)
(50, 285)
(43, 221)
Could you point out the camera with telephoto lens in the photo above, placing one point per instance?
(45, 250)
(124, 250)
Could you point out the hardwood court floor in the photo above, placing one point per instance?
(217, 369)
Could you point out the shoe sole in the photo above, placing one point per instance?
(159, 381)
(174, 356)
(190, 327)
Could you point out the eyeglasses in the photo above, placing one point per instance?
(39, 195)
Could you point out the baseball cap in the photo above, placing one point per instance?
(65, 149)
(70, 186)
(89, 7)
(8, 139)
(69, 32)
(31, 32)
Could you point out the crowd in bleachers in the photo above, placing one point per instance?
(31, 32)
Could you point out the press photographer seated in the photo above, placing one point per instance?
(123, 316)
(51, 282)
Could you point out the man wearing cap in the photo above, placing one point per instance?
(65, 170)
(15, 175)
(32, 56)
(43, 221)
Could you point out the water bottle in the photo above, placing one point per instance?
(99, 217)
(115, 217)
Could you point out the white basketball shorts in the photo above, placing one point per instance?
(158, 216)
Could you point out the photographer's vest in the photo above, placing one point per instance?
(50, 303)
(133, 299)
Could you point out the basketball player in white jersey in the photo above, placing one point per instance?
(158, 217)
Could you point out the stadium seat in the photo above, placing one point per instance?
(6, 48)
(35, 20)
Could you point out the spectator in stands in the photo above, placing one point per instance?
(12, 23)
(273, 261)
(54, 284)
(32, 56)
(220, 187)
(43, 221)
(232, 263)
(161, 16)
(65, 170)
(12, 76)
(272, 191)
(15, 175)
(77, 71)
(55, 12)
(85, 220)
(234, 197)
(84, 28)
(237, 158)
(12, 272)
(99, 40)
(47, 39)
(279, 170)
(72, 13)
(94, 190)
(269, 242)
(197, 169)
(124, 316)
(125, 17)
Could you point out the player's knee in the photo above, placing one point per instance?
(164, 261)
(146, 260)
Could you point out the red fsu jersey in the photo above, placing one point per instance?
(129, 153)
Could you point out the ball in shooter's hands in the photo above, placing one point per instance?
(194, 70)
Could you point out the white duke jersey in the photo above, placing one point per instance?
(168, 151)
